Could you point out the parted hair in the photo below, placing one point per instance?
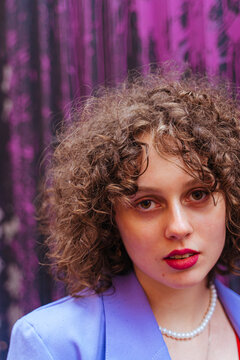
(98, 159)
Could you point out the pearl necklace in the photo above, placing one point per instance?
(191, 334)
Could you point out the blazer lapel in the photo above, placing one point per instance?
(231, 303)
(131, 329)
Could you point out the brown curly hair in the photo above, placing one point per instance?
(98, 160)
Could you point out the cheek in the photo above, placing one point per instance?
(136, 236)
(215, 232)
(215, 228)
(129, 226)
(126, 229)
(130, 236)
(220, 221)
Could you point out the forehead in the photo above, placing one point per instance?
(164, 144)
(160, 168)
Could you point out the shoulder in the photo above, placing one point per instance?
(66, 312)
(67, 328)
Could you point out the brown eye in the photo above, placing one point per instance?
(145, 204)
(198, 195)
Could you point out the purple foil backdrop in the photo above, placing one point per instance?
(52, 52)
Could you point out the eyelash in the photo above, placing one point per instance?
(203, 191)
(151, 201)
(142, 201)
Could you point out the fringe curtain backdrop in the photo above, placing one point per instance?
(52, 52)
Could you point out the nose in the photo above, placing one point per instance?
(178, 225)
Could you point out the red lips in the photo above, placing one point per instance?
(182, 259)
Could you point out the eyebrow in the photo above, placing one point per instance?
(189, 183)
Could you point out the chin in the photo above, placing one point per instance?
(185, 281)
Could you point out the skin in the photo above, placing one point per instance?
(170, 211)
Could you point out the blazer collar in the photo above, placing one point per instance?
(231, 303)
(131, 329)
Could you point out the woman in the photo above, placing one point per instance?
(143, 210)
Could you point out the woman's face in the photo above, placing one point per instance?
(174, 232)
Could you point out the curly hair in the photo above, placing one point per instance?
(98, 160)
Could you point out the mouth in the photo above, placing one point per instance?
(185, 256)
(182, 259)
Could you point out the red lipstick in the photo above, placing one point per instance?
(182, 259)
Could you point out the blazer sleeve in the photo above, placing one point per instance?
(26, 344)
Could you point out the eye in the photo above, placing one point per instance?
(146, 204)
(198, 195)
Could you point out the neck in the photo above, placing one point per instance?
(177, 309)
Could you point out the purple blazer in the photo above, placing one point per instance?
(114, 326)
